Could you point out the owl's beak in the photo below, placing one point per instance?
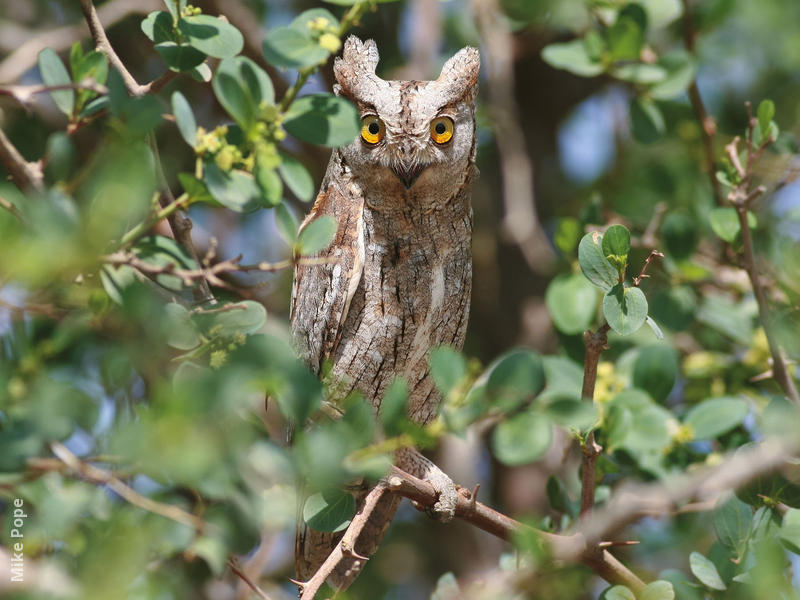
(408, 174)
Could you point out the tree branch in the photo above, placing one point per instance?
(27, 176)
(104, 45)
(708, 126)
(97, 475)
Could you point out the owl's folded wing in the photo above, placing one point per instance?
(325, 284)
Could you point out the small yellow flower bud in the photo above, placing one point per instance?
(330, 42)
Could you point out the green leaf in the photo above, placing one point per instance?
(287, 226)
(655, 370)
(570, 412)
(705, 571)
(181, 330)
(675, 307)
(176, 7)
(625, 309)
(657, 590)
(316, 235)
(270, 184)
(647, 122)
(94, 65)
(765, 113)
(593, 262)
(732, 521)
(241, 86)
(196, 189)
(684, 589)
(679, 232)
(394, 407)
(573, 57)
(572, 302)
(448, 368)
(59, 157)
(790, 530)
(681, 71)
(522, 439)
(245, 317)
(54, 73)
(567, 235)
(288, 47)
(715, 416)
(184, 118)
(640, 73)
(626, 36)
(515, 377)
(158, 26)
(323, 119)
(236, 190)
(296, 177)
(617, 592)
(180, 57)
(725, 222)
(731, 318)
(211, 35)
(329, 511)
(616, 246)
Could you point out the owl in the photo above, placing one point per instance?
(396, 280)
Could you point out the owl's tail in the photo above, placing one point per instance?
(313, 547)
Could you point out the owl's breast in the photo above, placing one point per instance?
(413, 296)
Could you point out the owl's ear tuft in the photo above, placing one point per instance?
(459, 75)
(356, 66)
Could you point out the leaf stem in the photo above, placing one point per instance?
(142, 228)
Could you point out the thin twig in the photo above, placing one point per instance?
(345, 548)
(234, 566)
(708, 126)
(25, 54)
(104, 45)
(9, 206)
(24, 93)
(643, 273)
(26, 175)
(596, 342)
(97, 475)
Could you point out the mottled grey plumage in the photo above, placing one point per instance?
(399, 279)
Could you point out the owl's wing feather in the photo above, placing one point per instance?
(322, 291)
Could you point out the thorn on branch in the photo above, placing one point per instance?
(643, 273)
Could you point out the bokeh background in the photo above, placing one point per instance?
(552, 146)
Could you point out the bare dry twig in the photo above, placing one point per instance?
(234, 566)
(102, 43)
(98, 475)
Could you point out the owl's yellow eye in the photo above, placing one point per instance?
(372, 129)
(442, 130)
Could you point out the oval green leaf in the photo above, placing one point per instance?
(288, 47)
(184, 118)
(572, 303)
(54, 73)
(241, 86)
(329, 511)
(617, 592)
(522, 439)
(573, 57)
(625, 309)
(317, 235)
(211, 35)
(323, 119)
(180, 57)
(655, 370)
(616, 246)
(296, 177)
(593, 262)
(647, 122)
(725, 222)
(515, 378)
(657, 590)
(236, 190)
(705, 571)
(715, 416)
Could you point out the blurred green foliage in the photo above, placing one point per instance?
(113, 359)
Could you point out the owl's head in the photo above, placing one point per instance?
(417, 137)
